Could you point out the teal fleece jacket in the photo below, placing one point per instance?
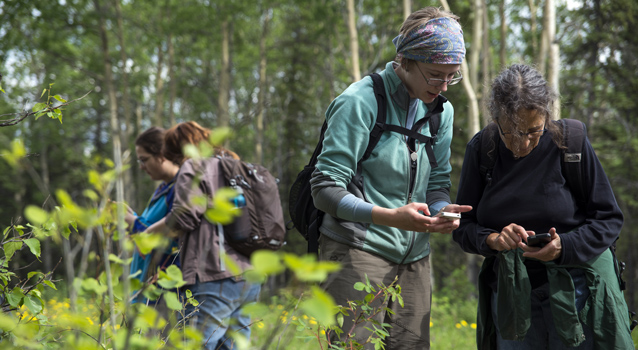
(351, 117)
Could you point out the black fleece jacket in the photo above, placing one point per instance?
(532, 192)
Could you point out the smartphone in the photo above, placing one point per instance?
(448, 215)
(539, 240)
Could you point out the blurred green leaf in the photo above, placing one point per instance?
(321, 306)
(172, 301)
(146, 242)
(307, 268)
(267, 262)
(39, 106)
(36, 215)
(219, 135)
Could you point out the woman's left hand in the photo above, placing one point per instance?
(551, 251)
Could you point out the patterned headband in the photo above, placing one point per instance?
(439, 40)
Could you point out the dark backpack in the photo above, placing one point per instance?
(303, 213)
(261, 224)
(574, 133)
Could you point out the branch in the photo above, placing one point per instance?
(24, 114)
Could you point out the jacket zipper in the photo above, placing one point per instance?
(413, 168)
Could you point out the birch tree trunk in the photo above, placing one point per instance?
(473, 127)
(117, 157)
(354, 42)
(553, 66)
(503, 52)
(223, 119)
(407, 8)
(127, 133)
(541, 59)
(172, 81)
(261, 103)
(159, 86)
(477, 36)
(486, 69)
(533, 26)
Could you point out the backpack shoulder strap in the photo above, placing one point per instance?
(574, 133)
(488, 151)
(379, 125)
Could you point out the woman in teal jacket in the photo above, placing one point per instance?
(386, 233)
(148, 147)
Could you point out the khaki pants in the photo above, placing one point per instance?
(410, 324)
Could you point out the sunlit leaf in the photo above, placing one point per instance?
(146, 242)
(50, 284)
(36, 215)
(39, 106)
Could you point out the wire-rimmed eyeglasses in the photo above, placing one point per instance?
(438, 82)
(530, 135)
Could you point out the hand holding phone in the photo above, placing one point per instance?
(539, 240)
(448, 215)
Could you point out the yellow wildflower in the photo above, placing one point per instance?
(458, 325)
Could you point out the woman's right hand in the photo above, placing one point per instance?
(508, 238)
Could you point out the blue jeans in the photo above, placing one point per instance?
(542, 332)
(218, 313)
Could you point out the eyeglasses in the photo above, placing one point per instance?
(438, 82)
(530, 135)
(141, 161)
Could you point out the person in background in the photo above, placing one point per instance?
(565, 294)
(148, 148)
(387, 234)
(218, 290)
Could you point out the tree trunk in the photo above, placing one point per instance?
(127, 133)
(477, 35)
(407, 8)
(223, 119)
(553, 67)
(263, 86)
(172, 81)
(117, 149)
(503, 52)
(354, 42)
(533, 25)
(541, 59)
(486, 69)
(159, 86)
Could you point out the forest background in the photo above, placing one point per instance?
(268, 70)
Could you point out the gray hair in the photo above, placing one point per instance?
(521, 87)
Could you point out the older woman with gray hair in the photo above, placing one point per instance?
(564, 292)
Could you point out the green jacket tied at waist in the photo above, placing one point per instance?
(605, 310)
